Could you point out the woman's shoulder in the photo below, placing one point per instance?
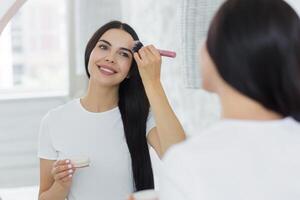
(224, 132)
(201, 142)
(183, 151)
(61, 110)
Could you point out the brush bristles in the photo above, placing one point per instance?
(137, 46)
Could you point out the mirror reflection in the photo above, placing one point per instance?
(48, 62)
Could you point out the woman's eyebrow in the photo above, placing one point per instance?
(122, 48)
(125, 49)
(105, 42)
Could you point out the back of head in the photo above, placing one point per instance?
(255, 45)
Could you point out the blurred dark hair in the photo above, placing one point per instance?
(134, 108)
(255, 45)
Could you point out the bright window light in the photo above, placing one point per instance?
(34, 50)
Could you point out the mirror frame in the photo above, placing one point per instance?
(11, 7)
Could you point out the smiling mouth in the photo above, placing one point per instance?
(106, 71)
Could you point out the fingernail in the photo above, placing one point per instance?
(70, 175)
(67, 161)
(70, 171)
(69, 166)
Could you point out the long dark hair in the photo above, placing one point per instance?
(134, 108)
(255, 45)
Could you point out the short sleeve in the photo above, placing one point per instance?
(150, 123)
(46, 149)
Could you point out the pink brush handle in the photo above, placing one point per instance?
(170, 54)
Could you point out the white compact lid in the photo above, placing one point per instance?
(80, 159)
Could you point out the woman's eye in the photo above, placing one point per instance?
(124, 54)
(101, 46)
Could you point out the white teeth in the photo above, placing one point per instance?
(107, 70)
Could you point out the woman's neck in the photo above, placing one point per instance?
(237, 106)
(100, 98)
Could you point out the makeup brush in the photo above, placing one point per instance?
(138, 45)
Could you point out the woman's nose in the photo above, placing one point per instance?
(110, 58)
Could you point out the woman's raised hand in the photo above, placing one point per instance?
(148, 60)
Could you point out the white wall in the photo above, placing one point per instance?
(19, 124)
(162, 26)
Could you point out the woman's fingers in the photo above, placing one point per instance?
(149, 64)
(65, 175)
(137, 58)
(62, 169)
(154, 51)
(60, 162)
(147, 55)
(144, 55)
(150, 55)
(67, 178)
(130, 197)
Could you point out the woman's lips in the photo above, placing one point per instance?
(106, 70)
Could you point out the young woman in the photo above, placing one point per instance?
(111, 124)
(251, 59)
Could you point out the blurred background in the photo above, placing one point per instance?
(41, 67)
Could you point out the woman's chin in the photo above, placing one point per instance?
(107, 82)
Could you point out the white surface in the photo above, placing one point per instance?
(22, 193)
(20, 120)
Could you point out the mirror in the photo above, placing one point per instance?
(44, 69)
(50, 71)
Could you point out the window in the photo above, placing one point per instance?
(34, 50)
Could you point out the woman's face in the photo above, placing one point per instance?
(111, 58)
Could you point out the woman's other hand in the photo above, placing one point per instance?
(62, 172)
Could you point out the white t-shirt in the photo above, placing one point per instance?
(70, 130)
(235, 160)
